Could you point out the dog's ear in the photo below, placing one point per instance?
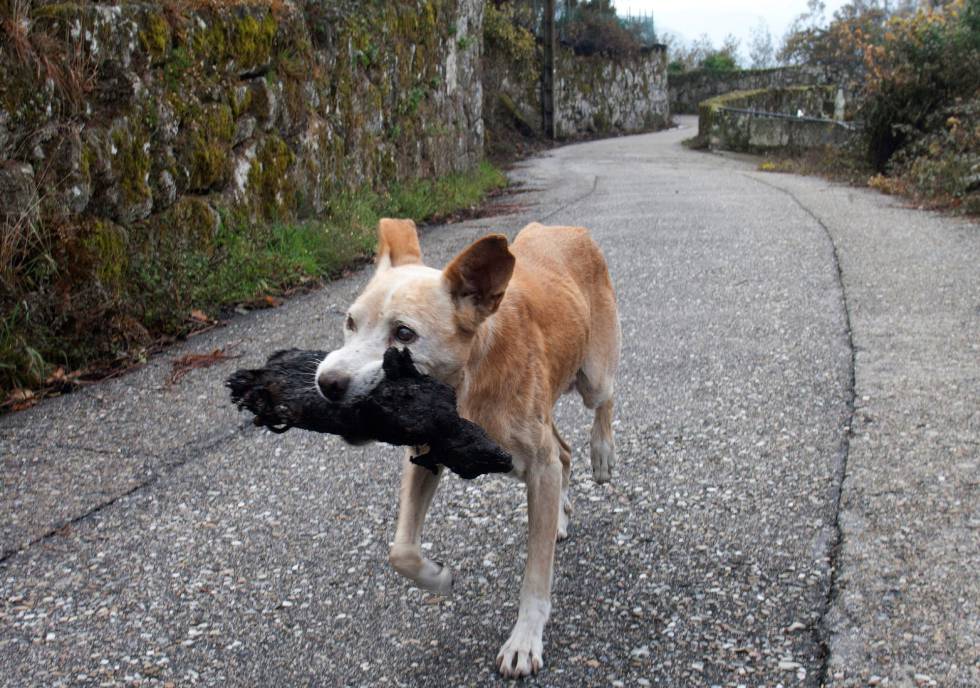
(478, 277)
(398, 244)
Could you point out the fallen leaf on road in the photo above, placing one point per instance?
(267, 301)
(56, 377)
(186, 364)
(20, 399)
(200, 316)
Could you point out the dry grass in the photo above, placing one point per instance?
(65, 64)
(829, 162)
(19, 237)
(17, 27)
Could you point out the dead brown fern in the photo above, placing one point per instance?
(16, 26)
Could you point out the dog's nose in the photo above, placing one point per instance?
(333, 385)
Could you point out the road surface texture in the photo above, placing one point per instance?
(800, 370)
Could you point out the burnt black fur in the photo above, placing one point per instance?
(406, 408)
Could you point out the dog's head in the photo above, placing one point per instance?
(434, 313)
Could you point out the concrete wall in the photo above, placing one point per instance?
(738, 121)
(264, 109)
(687, 90)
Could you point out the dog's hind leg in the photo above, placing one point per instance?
(596, 387)
(565, 456)
(603, 445)
(418, 487)
(596, 381)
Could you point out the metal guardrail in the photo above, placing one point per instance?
(851, 126)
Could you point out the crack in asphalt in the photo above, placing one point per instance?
(574, 202)
(181, 455)
(840, 467)
(98, 450)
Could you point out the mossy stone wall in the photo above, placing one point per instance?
(738, 121)
(600, 95)
(595, 95)
(688, 89)
(260, 109)
(143, 143)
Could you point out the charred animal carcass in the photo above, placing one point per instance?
(406, 408)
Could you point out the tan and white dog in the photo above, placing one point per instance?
(511, 329)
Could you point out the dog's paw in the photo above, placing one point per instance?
(522, 654)
(603, 460)
(430, 575)
(439, 580)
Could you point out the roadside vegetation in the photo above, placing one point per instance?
(909, 71)
(914, 74)
(49, 343)
(594, 26)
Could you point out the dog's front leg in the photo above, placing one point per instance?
(418, 486)
(522, 654)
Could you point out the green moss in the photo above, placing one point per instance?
(191, 226)
(177, 66)
(209, 43)
(267, 182)
(107, 247)
(57, 10)
(238, 36)
(87, 158)
(211, 132)
(294, 98)
(410, 105)
(155, 37)
(240, 101)
(131, 165)
(515, 115)
(250, 40)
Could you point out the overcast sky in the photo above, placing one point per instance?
(718, 18)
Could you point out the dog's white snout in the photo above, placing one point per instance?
(348, 373)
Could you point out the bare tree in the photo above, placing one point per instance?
(699, 50)
(761, 51)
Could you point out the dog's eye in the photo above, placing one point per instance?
(405, 335)
(350, 324)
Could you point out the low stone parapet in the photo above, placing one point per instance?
(795, 118)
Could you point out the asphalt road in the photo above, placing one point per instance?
(801, 369)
